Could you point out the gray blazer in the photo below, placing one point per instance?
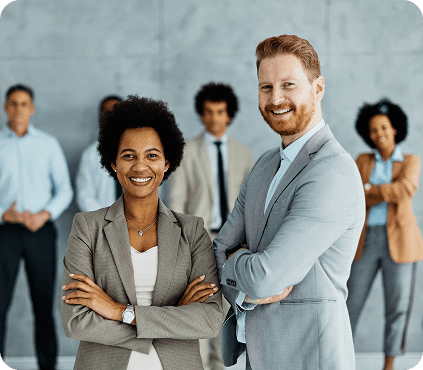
(98, 247)
(191, 186)
(306, 238)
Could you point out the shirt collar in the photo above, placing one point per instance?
(10, 133)
(396, 156)
(294, 148)
(210, 139)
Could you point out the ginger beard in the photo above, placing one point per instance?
(296, 119)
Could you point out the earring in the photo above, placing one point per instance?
(114, 170)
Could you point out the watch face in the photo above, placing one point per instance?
(128, 316)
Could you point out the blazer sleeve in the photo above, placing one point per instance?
(179, 189)
(326, 202)
(406, 184)
(364, 165)
(231, 234)
(193, 321)
(81, 322)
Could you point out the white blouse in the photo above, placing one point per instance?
(145, 272)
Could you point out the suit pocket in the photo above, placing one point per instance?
(307, 301)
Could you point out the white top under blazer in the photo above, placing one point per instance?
(145, 272)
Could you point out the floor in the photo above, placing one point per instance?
(364, 361)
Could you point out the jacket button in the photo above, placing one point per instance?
(231, 282)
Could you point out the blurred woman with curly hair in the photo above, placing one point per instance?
(390, 241)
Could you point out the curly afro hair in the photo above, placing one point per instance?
(106, 99)
(384, 107)
(217, 92)
(136, 112)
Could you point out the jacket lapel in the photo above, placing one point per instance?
(396, 168)
(169, 234)
(369, 168)
(117, 236)
(264, 177)
(311, 147)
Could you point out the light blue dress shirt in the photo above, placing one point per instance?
(287, 157)
(34, 173)
(95, 188)
(212, 150)
(382, 174)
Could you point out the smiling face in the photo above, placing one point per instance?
(382, 133)
(140, 163)
(215, 117)
(19, 109)
(288, 102)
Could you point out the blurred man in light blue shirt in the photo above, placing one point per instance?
(95, 188)
(35, 189)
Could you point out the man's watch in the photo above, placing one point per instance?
(367, 186)
(129, 314)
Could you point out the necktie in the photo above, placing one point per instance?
(221, 181)
(118, 189)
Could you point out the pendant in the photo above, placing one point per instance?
(140, 233)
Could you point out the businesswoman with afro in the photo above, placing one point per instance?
(140, 281)
(390, 241)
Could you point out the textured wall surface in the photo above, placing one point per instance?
(75, 52)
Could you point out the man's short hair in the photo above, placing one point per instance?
(19, 87)
(106, 99)
(217, 92)
(290, 44)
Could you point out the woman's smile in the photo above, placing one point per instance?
(140, 180)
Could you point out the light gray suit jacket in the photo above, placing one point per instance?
(98, 247)
(306, 238)
(191, 186)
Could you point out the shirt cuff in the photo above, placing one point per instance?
(53, 213)
(243, 306)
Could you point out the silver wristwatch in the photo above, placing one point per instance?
(128, 315)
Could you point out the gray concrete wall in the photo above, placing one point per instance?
(74, 52)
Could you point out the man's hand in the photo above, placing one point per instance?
(90, 295)
(275, 298)
(197, 291)
(36, 221)
(12, 216)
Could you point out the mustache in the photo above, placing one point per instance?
(273, 107)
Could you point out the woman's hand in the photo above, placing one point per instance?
(90, 295)
(197, 291)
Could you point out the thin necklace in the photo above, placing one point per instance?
(140, 232)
